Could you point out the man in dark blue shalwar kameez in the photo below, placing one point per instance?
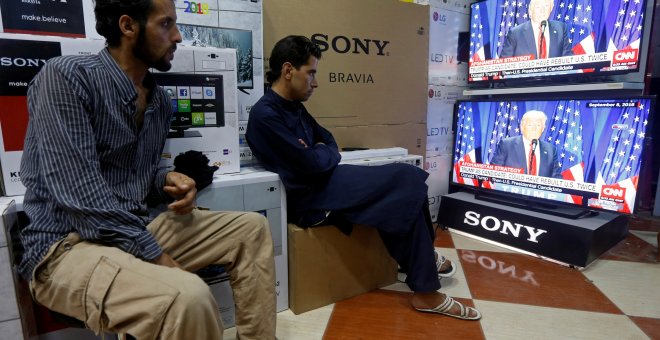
(392, 198)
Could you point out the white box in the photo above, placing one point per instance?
(219, 144)
(28, 54)
(254, 189)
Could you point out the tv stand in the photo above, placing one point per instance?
(550, 209)
(572, 241)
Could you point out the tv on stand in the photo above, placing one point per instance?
(567, 156)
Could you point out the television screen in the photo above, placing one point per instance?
(197, 99)
(238, 39)
(514, 40)
(584, 152)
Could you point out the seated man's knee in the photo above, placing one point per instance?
(194, 294)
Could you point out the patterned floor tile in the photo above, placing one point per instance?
(517, 321)
(517, 278)
(466, 242)
(650, 326)
(443, 239)
(633, 287)
(388, 315)
(634, 249)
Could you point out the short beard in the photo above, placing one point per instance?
(141, 51)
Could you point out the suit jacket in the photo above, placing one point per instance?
(520, 41)
(511, 152)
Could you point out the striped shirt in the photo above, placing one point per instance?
(87, 166)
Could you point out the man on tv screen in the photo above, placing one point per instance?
(539, 36)
(529, 151)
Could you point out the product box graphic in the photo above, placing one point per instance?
(216, 138)
(449, 41)
(22, 58)
(65, 18)
(373, 70)
(229, 24)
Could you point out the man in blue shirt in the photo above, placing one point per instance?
(97, 127)
(392, 198)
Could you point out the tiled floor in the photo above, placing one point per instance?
(520, 297)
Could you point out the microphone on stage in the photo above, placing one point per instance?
(543, 24)
(532, 161)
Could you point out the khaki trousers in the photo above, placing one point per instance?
(111, 290)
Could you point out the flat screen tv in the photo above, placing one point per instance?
(587, 153)
(197, 101)
(222, 37)
(525, 40)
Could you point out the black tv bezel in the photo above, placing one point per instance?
(542, 204)
(219, 94)
(557, 79)
(240, 87)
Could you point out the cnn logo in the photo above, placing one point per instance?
(625, 56)
(613, 193)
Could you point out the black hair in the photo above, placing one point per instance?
(294, 49)
(108, 12)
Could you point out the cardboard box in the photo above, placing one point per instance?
(326, 265)
(374, 66)
(408, 136)
(68, 18)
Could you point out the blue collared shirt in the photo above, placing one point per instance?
(87, 166)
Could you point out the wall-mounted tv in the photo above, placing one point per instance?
(197, 101)
(221, 37)
(522, 40)
(584, 153)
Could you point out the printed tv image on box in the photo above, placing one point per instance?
(583, 152)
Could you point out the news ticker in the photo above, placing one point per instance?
(505, 178)
(521, 66)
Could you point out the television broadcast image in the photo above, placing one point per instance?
(540, 38)
(583, 152)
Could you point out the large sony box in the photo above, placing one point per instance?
(372, 75)
(326, 266)
(22, 58)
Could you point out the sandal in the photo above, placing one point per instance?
(446, 306)
(449, 272)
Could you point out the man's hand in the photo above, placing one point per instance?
(182, 188)
(167, 261)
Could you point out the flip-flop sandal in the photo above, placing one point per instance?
(446, 306)
(449, 272)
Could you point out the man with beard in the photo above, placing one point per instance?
(97, 126)
(391, 198)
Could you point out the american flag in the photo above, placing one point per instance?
(466, 139)
(506, 124)
(564, 130)
(577, 15)
(622, 159)
(624, 24)
(480, 33)
(509, 15)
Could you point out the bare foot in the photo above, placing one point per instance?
(434, 299)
